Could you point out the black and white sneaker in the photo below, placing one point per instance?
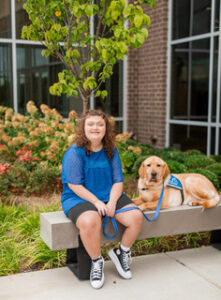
(97, 273)
(121, 260)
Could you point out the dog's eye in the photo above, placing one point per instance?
(148, 165)
(158, 166)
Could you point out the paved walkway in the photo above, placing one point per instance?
(193, 274)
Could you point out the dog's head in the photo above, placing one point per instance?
(153, 170)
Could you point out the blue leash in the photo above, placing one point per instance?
(114, 223)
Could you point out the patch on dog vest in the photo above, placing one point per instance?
(174, 183)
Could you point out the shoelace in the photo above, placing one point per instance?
(126, 260)
(96, 270)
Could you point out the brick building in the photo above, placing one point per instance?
(167, 92)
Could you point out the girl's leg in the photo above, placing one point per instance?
(88, 222)
(89, 225)
(133, 221)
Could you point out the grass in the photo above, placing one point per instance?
(22, 250)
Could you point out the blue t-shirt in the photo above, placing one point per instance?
(95, 172)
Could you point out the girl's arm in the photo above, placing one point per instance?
(115, 194)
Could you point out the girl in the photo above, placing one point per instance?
(93, 187)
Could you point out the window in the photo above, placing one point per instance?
(194, 95)
(5, 19)
(6, 75)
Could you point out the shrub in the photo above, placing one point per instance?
(32, 147)
(174, 155)
(198, 161)
(176, 167)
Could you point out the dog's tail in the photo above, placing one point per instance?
(211, 202)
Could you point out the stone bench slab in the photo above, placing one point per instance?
(58, 232)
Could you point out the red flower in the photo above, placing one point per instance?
(4, 168)
(19, 152)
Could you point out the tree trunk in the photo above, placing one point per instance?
(86, 103)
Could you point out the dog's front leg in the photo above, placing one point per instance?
(137, 201)
(148, 205)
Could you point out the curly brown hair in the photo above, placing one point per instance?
(108, 140)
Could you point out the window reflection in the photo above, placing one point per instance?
(6, 96)
(199, 85)
(213, 139)
(113, 103)
(190, 81)
(35, 74)
(215, 70)
(185, 137)
(201, 17)
(181, 18)
(217, 12)
(21, 18)
(179, 86)
(191, 17)
(5, 19)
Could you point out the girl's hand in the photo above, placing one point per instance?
(111, 207)
(101, 207)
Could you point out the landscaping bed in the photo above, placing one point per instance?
(31, 151)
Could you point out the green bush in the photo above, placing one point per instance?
(198, 161)
(32, 147)
(176, 167)
(174, 155)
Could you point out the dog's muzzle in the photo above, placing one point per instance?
(153, 175)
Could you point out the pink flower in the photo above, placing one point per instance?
(4, 168)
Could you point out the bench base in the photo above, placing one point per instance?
(216, 239)
(79, 262)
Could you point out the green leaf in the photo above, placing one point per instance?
(115, 14)
(104, 94)
(145, 32)
(89, 10)
(123, 47)
(98, 93)
(147, 21)
(138, 21)
(104, 54)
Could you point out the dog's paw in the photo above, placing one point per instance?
(142, 206)
(137, 201)
(192, 203)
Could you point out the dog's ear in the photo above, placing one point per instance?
(142, 170)
(166, 171)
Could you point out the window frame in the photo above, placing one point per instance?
(209, 124)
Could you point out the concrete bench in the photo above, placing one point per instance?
(58, 232)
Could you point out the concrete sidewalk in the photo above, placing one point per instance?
(185, 275)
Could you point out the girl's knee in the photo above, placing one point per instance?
(89, 222)
(138, 218)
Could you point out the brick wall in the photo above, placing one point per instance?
(147, 67)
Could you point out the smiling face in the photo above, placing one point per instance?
(153, 170)
(95, 129)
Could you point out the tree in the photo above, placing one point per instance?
(64, 27)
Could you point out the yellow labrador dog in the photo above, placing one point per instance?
(154, 172)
